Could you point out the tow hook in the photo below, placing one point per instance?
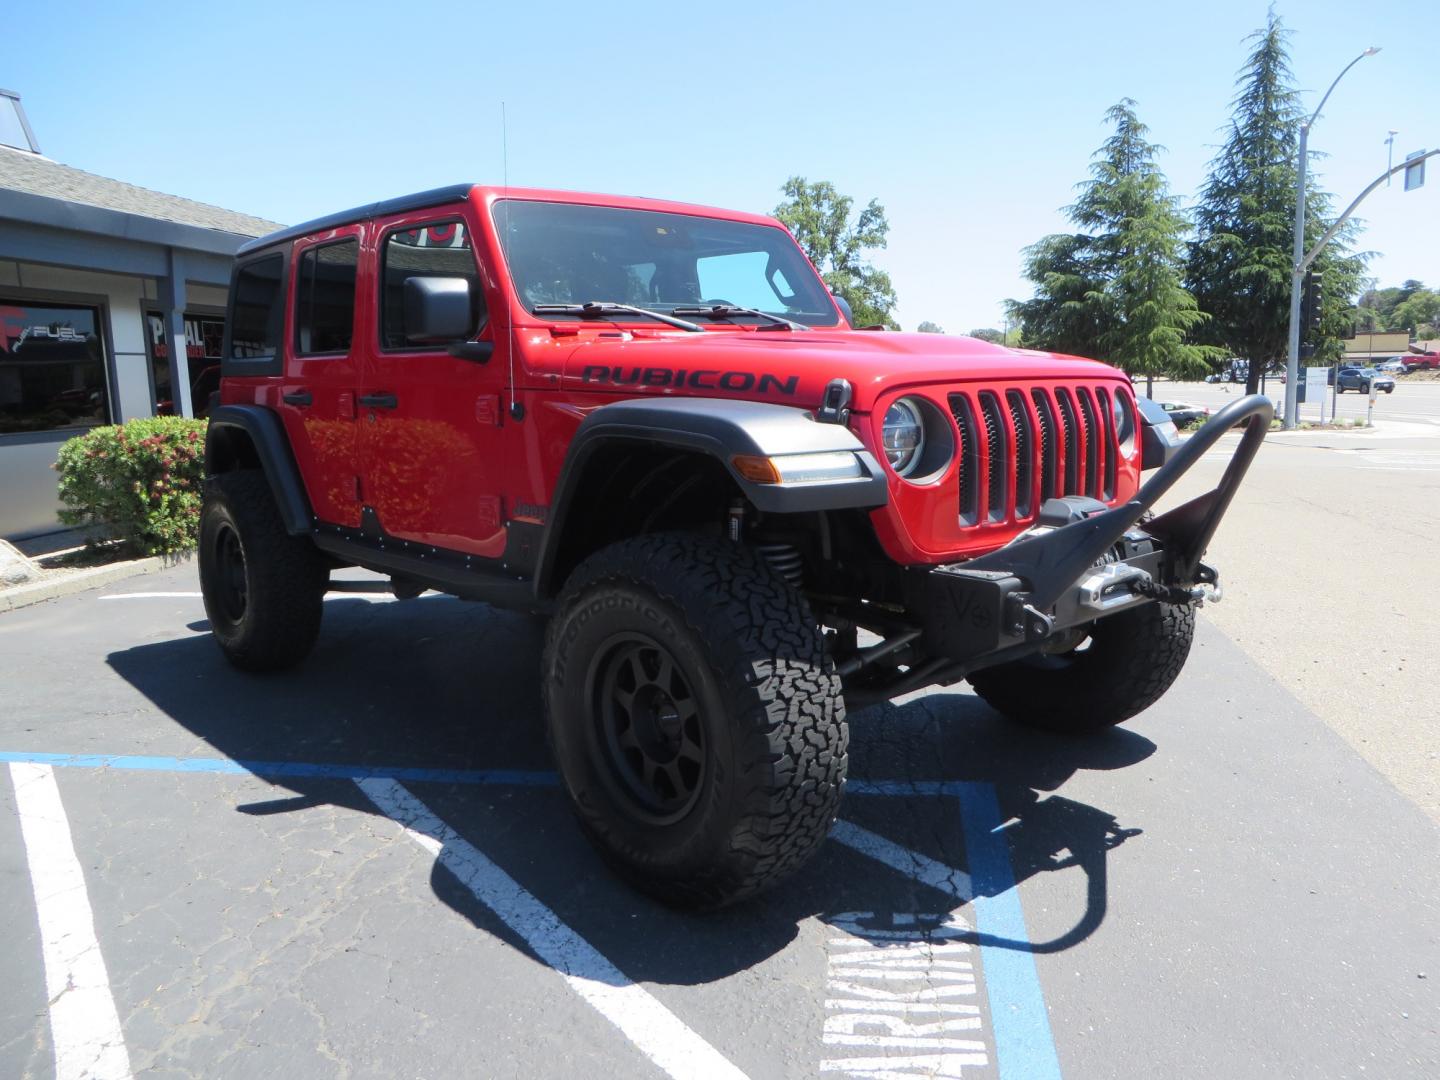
(1208, 585)
(1025, 620)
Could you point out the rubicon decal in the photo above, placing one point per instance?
(700, 379)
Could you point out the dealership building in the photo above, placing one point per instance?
(97, 279)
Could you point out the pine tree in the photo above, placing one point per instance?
(1240, 262)
(1114, 289)
(1068, 313)
(1140, 233)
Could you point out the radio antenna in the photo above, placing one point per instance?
(517, 411)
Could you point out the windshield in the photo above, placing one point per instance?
(566, 253)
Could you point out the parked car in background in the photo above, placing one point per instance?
(1393, 366)
(1181, 414)
(1353, 378)
(1425, 361)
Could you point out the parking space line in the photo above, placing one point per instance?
(84, 1026)
(657, 1032)
(921, 868)
(316, 770)
(279, 769)
(1024, 1044)
(1025, 1048)
(369, 598)
(150, 596)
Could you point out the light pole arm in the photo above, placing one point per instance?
(1313, 116)
(1310, 257)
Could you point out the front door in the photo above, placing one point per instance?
(317, 397)
(431, 423)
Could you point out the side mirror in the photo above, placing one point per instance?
(844, 306)
(438, 310)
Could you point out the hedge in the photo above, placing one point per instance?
(139, 482)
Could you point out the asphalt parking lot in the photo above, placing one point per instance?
(363, 868)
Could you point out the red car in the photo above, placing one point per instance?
(656, 424)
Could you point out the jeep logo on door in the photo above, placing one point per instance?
(700, 379)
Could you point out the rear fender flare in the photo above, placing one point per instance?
(241, 436)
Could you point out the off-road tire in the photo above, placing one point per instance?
(1131, 660)
(265, 610)
(766, 702)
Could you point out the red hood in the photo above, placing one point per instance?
(793, 367)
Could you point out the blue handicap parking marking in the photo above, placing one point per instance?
(1024, 1043)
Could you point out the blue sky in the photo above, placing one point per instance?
(970, 122)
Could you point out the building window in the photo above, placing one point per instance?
(439, 249)
(325, 298)
(256, 309)
(204, 341)
(52, 367)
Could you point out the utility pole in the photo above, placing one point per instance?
(1292, 364)
(1390, 155)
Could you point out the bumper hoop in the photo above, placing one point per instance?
(1100, 563)
(1053, 562)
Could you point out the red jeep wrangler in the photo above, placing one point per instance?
(655, 424)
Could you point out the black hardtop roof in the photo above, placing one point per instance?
(399, 205)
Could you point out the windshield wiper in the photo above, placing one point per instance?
(719, 311)
(594, 309)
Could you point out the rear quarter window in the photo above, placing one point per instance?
(257, 315)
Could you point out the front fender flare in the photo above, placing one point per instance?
(721, 429)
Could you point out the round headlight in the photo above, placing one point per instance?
(902, 437)
(1124, 418)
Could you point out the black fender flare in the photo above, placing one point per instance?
(1159, 439)
(266, 434)
(720, 428)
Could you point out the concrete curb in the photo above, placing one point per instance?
(24, 595)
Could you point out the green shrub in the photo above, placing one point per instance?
(140, 482)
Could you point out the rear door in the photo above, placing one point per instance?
(431, 423)
(321, 372)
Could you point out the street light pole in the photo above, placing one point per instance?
(1292, 363)
(1390, 154)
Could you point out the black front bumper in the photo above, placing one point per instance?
(1085, 561)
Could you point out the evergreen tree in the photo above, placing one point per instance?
(1140, 234)
(1068, 313)
(1114, 290)
(1241, 260)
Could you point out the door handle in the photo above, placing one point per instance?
(378, 401)
(297, 397)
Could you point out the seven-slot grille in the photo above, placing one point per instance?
(1017, 449)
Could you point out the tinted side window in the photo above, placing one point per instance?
(325, 298)
(441, 249)
(255, 309)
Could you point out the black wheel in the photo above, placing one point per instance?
(694, 718)
(1121, 667)
(263, 588)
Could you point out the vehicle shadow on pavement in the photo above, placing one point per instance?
(436, 683)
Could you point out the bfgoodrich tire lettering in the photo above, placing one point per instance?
(761, 718)
(1132, 658)
(263, 588)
